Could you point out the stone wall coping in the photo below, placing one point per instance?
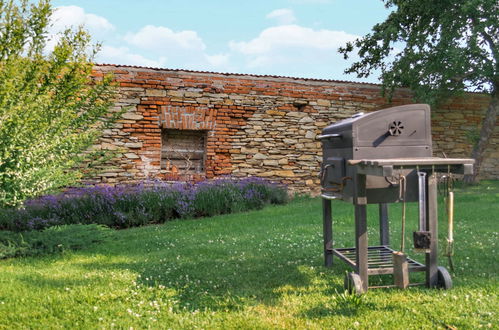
(274, 78)
(249, 76)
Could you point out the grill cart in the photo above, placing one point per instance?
(380, 158)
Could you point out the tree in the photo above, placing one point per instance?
(50, 108)
(447, 47)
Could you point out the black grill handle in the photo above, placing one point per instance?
(328, 136)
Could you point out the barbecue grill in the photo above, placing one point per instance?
(379, 158)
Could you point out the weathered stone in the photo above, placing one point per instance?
(266, 174)
(307, 127)
(306, 157)
(176, 93)
(250, 170)
(296, 114)
(155, 92)
(278, 124)
(130, 101)
(245, 150)
(323, 103)
(300, 103)
(132, 116)
(270, 162)
(133, 145)
(306, 120)
(131, 155)
(312, 145)
(283, 161)
(285, 173)
(109, 175)
(193, 94)
(108, 146)
(290, 141)
(310, 135)
(203, 100)
(275, 113)
(260, 156)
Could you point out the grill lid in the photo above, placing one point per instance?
(407, 125)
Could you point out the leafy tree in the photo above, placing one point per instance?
(446, 47)
(49, 105)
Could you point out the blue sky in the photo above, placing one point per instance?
(296, 38)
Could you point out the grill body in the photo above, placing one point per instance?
(398, 132)
(385, 157)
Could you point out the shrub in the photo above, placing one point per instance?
(127, 206)
(52, 107)
(219, 197)
(50, 240)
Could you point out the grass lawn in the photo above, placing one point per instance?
(260, 269)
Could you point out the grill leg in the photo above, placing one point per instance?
(361, 229)
(384, 236)
(327, 226)
(432, 225)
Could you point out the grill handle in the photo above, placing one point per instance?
(422, 200)
(328, 136)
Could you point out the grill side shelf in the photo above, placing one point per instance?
(387, 167)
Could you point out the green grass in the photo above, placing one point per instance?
(261, 269)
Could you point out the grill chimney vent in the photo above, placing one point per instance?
(395, 128)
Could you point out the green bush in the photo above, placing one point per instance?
(51, 107)
(51, 240)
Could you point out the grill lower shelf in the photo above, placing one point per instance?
(379, 260)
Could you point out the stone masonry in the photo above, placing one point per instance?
(261, 126)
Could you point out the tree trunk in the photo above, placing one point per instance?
(488, 126)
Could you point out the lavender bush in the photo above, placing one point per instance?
(127, 206)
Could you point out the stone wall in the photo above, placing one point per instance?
(257, 125)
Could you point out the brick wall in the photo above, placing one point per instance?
(257, 125)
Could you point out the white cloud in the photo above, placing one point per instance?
(152, 46)
(283, 16)
(123, 55)
(218, 60)
(292, 36)
(72, 16)
(184, 49)
(160, 38)
(293, 50)
(286, 49)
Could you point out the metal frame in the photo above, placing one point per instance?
(377, 260)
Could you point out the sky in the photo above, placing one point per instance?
(295, 38)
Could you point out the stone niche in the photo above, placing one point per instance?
(184, 132)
